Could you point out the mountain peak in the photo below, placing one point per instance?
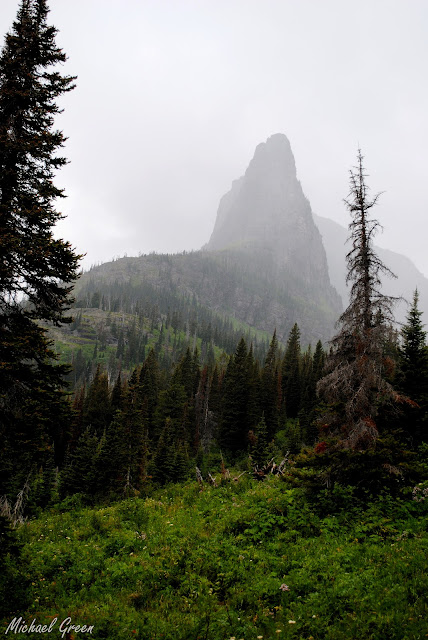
(275, 158)
(263, 204)
(267, 212)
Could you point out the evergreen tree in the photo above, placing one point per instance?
(173, 404)
(77, 419)
(307, 414)
(413, 373)
(235, 421)
(80, 471)
(318, 361)
(260, 450)
(186, 373)
(150, 386)
(97, 410)
(169, 462)
(204, 417)
(134, 426)
(36, 270)
(291, 374)
(112, 462)
(255, 390)
(215, 400)
(307, 393)
(269, 388)
(117, 395)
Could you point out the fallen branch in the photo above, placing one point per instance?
(270, 468)
(199, 477)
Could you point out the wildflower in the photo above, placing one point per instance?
(284, 587)
(291, 622)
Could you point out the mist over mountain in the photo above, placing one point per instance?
(267, 211)
(264, 265)
(409, 278)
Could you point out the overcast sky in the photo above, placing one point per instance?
(173, 96)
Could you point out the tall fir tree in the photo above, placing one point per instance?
(79, 474)
(413, 373)
(290, 374)
(269, 388)
(36, 270)
(97, 411)
(308, 421)
(260, 449)
(235, 424)
(150, 387)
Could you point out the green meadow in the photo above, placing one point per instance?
(243, 560)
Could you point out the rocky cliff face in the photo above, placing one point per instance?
(267, 212)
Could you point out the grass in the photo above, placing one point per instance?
(242, 560)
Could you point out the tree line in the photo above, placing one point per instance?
(363, 400)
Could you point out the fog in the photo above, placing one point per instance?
(173, 96)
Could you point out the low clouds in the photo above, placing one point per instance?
(172, 98)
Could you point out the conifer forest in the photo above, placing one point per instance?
(201, 445)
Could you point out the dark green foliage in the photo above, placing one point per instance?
(14, 583)
(97, 411)
(235, 423)
(291, 382)
(117, 395)
(43, 490)
(312, 370)
(173, 404)
(270, 400)
(187, 374)
(170, 460)
(385, 466)
(80, 472)
(260, 448)
(112, 461)
(255, 386)
(150, 385)
(33, 263)
(36, 270)
(134, 419)
(152, 424)
(413, 374)
(31, 432)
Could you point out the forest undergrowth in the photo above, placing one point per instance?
(243, 560)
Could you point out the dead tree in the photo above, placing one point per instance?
(354, 383)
